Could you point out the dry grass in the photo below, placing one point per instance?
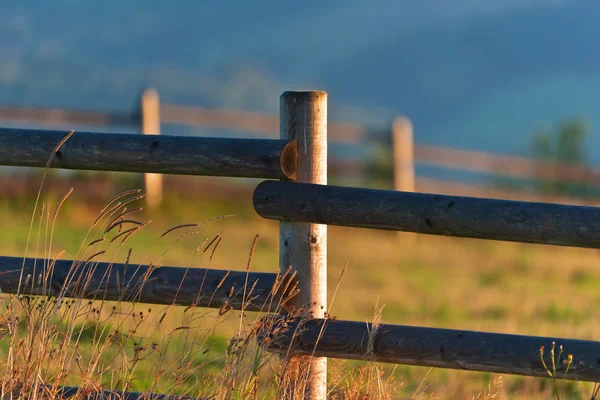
(63, 338)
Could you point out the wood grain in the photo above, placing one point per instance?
(302, 246)
(431, 347)
(252, 158)
(140, 283)
(433, 214)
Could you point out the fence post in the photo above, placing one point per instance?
(150, 120)
(303, 246)
(404, 164)
(403, 148)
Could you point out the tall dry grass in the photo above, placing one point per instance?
(60, 339)
(63, 343)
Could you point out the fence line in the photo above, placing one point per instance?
(512, 166)
(247, 158)
(262, 123)
(433, 214)
(61, 117)
(433, 347)
(268, 125)
(179, 286)
(304, 208)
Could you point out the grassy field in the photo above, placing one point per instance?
(425, 281)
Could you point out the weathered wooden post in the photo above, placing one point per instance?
(303, 246)
(404, 164)
(150, 119)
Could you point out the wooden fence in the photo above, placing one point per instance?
(151, 113)
(298, 196)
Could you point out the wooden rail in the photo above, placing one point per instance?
(145, 284)
(433, 214)
(267, 124)
(61, 117)
(432, 347)
(250, 158)
(512, 166)
(262, 123)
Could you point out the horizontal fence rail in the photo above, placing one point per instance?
(512, 166)
(252, 291)
(265, 124)
(434, 214)
(57, 116)
(339, 131)
(432, 347)
(249, 158)
(260, 123)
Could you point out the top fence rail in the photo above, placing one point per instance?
(246, 158)
(267, 125)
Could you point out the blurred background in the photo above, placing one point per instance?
(503, 97)
(506, 77)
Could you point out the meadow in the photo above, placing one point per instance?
(397, 278)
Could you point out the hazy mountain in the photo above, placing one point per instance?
(470, 73)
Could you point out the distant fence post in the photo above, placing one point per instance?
(150, 119)
(303, 246)
(404, 162)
